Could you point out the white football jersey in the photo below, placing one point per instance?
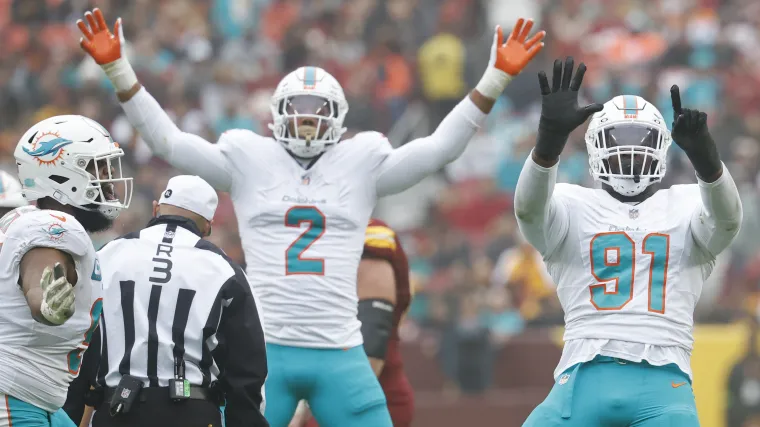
(303, 232)
(37, 362)
(628, 276)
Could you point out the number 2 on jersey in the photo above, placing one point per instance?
(613, 259)
(295, 263)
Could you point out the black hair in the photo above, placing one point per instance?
(91, 219)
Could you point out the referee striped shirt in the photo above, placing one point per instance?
(170, 294)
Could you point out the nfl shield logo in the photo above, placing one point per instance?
(564, 379)
(305, 180)
(633, 213)
(125, 393)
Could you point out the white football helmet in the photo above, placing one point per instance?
(308, 109)
(11, 195)
(628, 144)
(73, 160)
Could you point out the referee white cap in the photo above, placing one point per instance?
(192, 193)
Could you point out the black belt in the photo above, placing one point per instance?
(162, 393)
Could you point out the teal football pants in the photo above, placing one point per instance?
(609, 392)
(340, 386)
(17, 413)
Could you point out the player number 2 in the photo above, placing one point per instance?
(613, 259)
(295, 262)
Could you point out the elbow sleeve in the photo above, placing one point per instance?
(534, 190)
(376, 316)
(718, 221)
(722, 202)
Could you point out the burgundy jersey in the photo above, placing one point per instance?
(381, 242)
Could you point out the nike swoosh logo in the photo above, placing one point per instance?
(60, 218)
(676, 385)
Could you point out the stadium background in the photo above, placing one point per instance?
(483, 334)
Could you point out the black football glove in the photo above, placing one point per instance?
(560, 113)
(691, 134)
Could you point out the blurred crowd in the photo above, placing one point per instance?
(404, 64)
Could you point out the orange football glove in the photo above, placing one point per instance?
(107, 49)
(514, 54)
(97, 41)
(509, 58)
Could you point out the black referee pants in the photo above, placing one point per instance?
(161, 413)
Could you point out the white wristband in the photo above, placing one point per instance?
(121, 74)
(493, 83)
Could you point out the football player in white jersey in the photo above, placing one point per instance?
(303, 200)
(11, 196)
(629, 260)
(49, 273)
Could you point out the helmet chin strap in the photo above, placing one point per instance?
(109, 212)
(644, 194)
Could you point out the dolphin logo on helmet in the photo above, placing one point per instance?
(51, 148)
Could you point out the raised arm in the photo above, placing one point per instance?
(719, 217)
(408, 165)
(187, 152)
(542, 218)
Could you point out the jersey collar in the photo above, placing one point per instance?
(181, 221)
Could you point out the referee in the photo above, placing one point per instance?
(181, 332)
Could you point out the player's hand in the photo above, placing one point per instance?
(509, 57)
(560, 112)
(107, 49)
(57, 295)
(689, 126)
(102, 45)
(512, 55)
(302, 415)
(690, 132)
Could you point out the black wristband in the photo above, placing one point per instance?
(549, 145)
(705, 159)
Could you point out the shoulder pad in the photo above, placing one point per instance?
(687, 194)
(375, 221)
(12, 216)
(238, 135)
(49, 228)
(380, 237)
(370, 136)
(573, 191)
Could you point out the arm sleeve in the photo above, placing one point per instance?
(543, 218)
(241, 354)
(185, 151)
(411, 163)
(717, 220)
